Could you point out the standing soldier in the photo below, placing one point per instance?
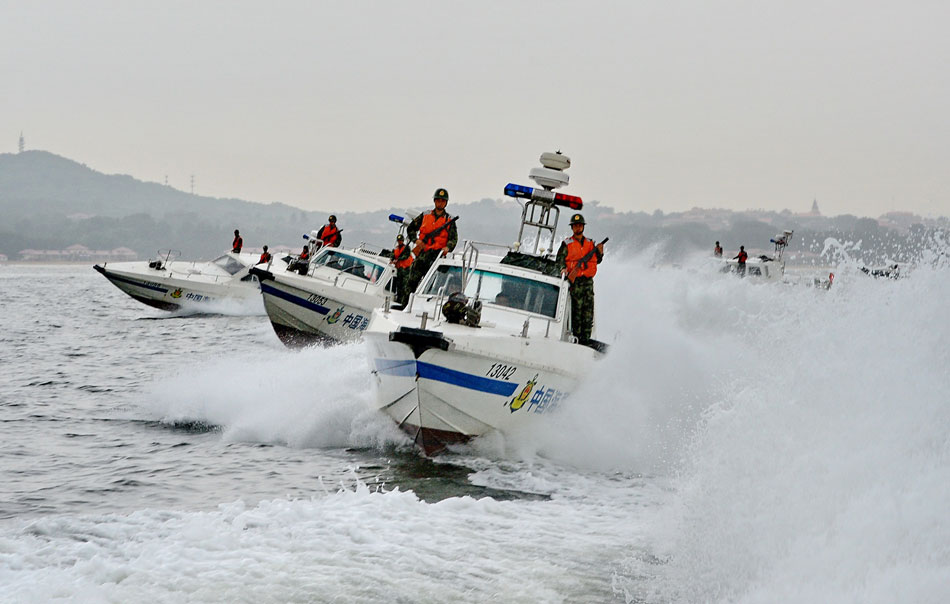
(578, 258)
(402, 260)
(742, 256)
(437, 236)
(238, 242)
(329, 234)
(717, 251)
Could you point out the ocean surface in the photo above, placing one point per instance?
(741, 443)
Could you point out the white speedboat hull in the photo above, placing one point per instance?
(176, 285)
(329, 303)
(444, 387)
(305, 311)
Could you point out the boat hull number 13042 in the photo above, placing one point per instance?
(501, 371)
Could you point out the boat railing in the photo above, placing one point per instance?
(538, 214)
(469, 262)
(164, 257)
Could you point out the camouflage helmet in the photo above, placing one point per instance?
(578, 219)
(441, 194)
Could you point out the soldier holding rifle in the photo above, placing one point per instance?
(578, 258)
(435, 234)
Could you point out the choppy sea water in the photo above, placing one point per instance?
(741, 443)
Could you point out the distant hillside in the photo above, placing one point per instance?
(50, 202)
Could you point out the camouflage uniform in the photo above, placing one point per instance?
(582, 298)
(425, 259)
(582, 308)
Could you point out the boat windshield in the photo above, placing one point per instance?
(498, 289)
(351, 265)
(229, 264)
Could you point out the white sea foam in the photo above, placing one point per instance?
(821, 468)
(744, 443)
(315, 397)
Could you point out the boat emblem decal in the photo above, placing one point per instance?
(519, 401)
(176, 293)
(335, 316)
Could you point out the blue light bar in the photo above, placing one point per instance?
(396, 218)
(559, 199)
(513, 190)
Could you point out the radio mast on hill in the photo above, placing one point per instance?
(22, 142)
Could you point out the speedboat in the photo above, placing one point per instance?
(762, 267)
(891, 271)
(485, 342)
(171, 284)
(330, 298)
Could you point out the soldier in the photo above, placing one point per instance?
(437, 236)
(402, 260)
(742, 256)
(238, 242)
(265, 257)
(578, 258)
(329, 234)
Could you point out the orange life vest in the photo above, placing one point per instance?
(265, 257)
(431, 222)
(404, 262)
(743, 257)
(330, 235)
(577, 250)
(236, 245)
(304, 254)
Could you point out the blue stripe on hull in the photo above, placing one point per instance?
(409, 368)
(464, 380)
(398, 368)
(279, 293)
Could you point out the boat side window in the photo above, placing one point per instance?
(516, 292)
(229, 264)
(330, 259)
(351, 265)
(500, 290)
(754, 270)
(444, 275)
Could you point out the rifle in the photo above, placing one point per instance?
(417, 249)
(584, 260)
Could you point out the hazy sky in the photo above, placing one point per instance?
(360, 105)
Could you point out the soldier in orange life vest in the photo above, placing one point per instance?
(329, 234)
(238, 243)
(402, 260)
(717, 251)
(578, 258)
(265, 257)
(437, 236)
(742, 256)
(302, 263)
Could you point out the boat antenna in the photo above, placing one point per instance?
(542, 210)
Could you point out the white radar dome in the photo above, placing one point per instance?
(555, 161)
(548, 178)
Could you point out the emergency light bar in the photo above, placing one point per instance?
(559, 199)
(396, 218)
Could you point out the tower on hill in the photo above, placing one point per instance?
(22, 143)
(814, 208)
